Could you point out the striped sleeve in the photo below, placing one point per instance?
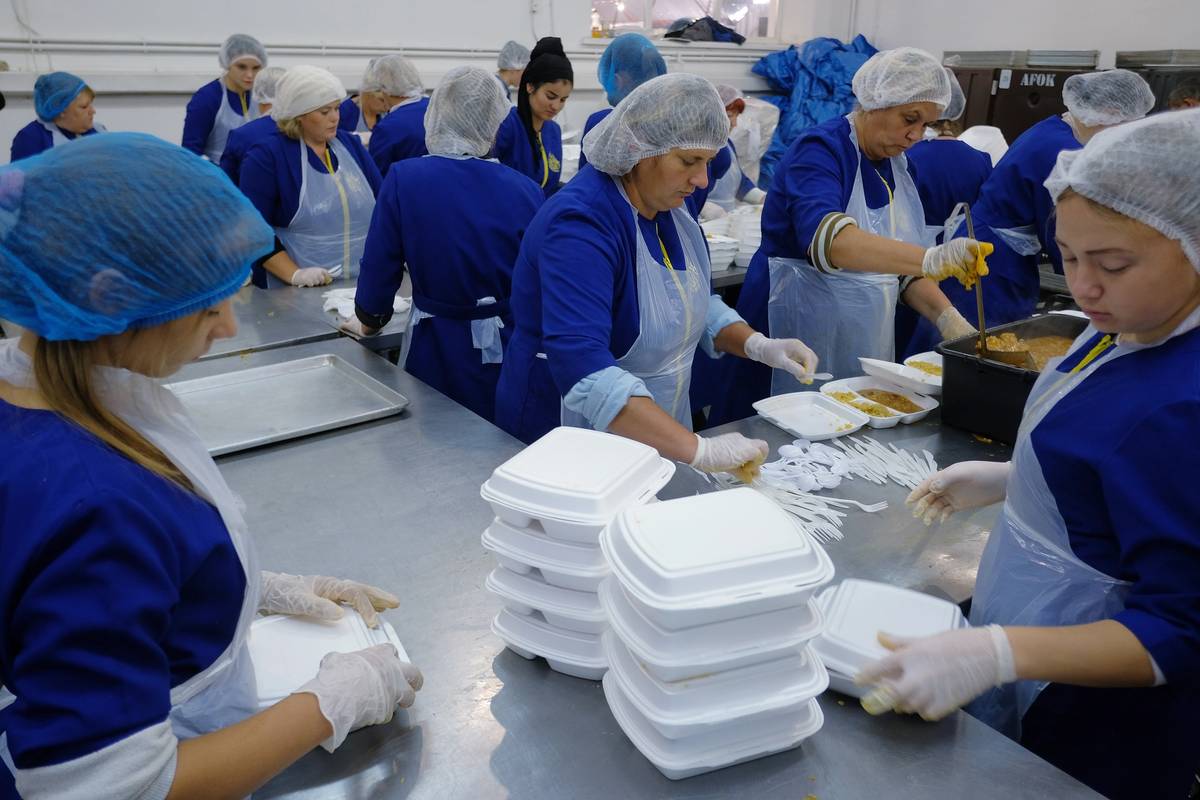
(822, 242)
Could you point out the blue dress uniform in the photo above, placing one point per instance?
(593, 120)
(399, 135)
(38, 136)
(350, 116)
(212, 113)
(241, 140)
(514, 150)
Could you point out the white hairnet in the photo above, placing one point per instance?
(901, 76)
(464, 113)
(239, 46)
(513, 56)
(304, 89)
(1148, 170)
(1107, 98)
(728, 93)
(265, 84)
(665, 113)
(394, 75)
(958, 100)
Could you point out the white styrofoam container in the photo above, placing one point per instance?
(565, 564)
(691, 652)
(286, 651)
(713, 557)
(574, 480)
(563, 608)
(746, 696)
(856, 385)
(579, 655)
(811, 415)
(908, 378)
(930, 357)
(722, 747)
(856, 611)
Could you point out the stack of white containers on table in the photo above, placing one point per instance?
(551, 501)
(746, 226)
(711, 614)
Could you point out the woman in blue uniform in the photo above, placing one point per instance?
(733, 185)
(529, 140)
(224, 104)
(361, 112)
(1086, 606)
(510, 63)
(629, 61)
(843, 233)
(313, 183)
(455, 221)
(129, 579)
(65, 109)
(401, 133)
(242, 139)
(611, 293)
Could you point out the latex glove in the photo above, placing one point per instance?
(711, 211)
(790, 355)
(958, 258)
(318, 596)
(951, 324)
(362, 688)
(756, 196)
(311, 276)
(355, 327)
(728, 452)
(934, 675)
(959, 487)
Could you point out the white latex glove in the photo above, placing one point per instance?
(959, 487)
(311, 276)
(958, 258)
(318, 596)
(711, 211)
(934, 675)
(728, 452)
(362, 688)
(756, 196)
(951, 324)
(791, 355)
(354, 327)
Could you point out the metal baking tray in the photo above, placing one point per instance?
(248, 408)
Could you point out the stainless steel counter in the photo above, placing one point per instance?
(724, 278)
(396, 503)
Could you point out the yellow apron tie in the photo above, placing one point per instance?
(891, 203)
(545, 162)
(1097, 351)
(687, 316)
(245, 108)
(345, 215)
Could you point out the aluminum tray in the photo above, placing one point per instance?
(236, 411)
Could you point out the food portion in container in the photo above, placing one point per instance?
(1042, 348)
(854, 400)
(896, 402)
(934, 370)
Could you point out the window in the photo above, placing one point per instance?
(754, 19)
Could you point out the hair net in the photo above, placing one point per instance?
(304, 89)
(672, 111)
(394, 75)
(53, 92)
(901, 76)
(958, 100)
(464, 113)
(120, 231)
(513, 56)
(239, 46)
(628, 62)
(729, 94)
(1107, 98)
(266, 83)
(1148, 170)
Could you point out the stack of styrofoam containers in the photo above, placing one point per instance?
(710, 617)
(856, 611)
(746, 226)
(721, 251)
(551, 501)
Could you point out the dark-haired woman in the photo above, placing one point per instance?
(529, 140)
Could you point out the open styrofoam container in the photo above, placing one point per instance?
(857, 385)
(565, 564)
(691, 652)
(721, 747)
(856, 611)
(713, 557)
(931, 357)
(574, 480)
(811, 415)
(908, 378)
(563, 608)
(287, 650)
(745, 696)
(579, 655)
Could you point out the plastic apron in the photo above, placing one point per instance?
(672, 313)
(226, 120)
(56, 135)
(485, 330)
(1028, 574)
(724, 191)
(225, 692)
(329, 228)
(844, 315)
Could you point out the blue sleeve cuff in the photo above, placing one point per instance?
(600, 396)
(720, 316)
(1173, 653)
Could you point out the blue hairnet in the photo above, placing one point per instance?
(53, 92)
(120, 231)
(627, 63)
